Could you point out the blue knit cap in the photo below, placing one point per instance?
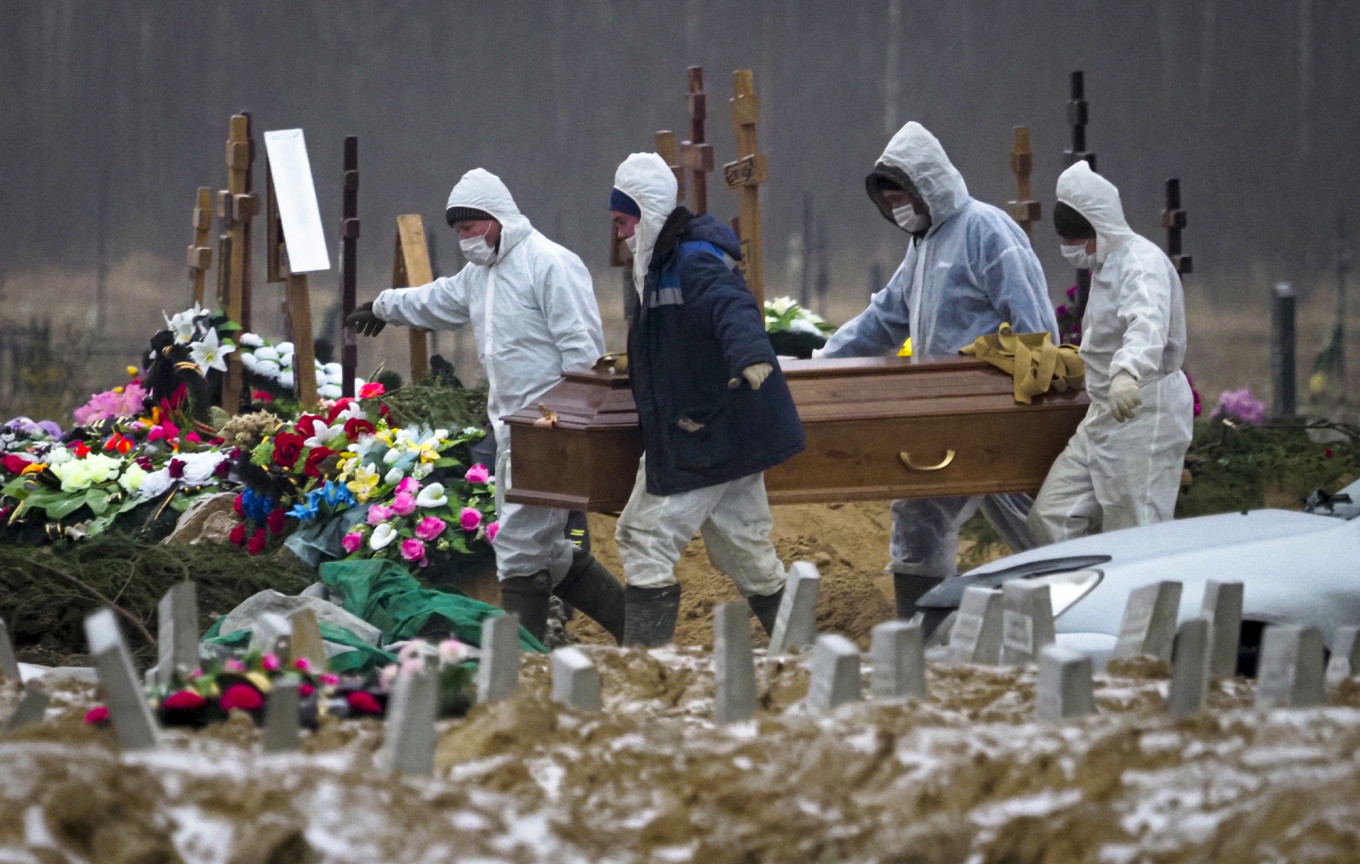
(621, 202)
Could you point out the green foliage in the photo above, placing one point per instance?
(433, 405)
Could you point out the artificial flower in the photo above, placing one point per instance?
(312, 467)
(432, 496)
(238, 534)
(364, 484)
(362, 703)
(276, 520)
(451, 652)
(323, 434)
(208, 354)
(382, 535)
(183, 700)
(97, 714)
(408, 484)
(470, 518)
(404, 503)
(15, 464)
(413, 550)
(357, 426)
(430, 527)
(351, 542)
(270, 662)
(394, 476)
(257, 542)
(378, 514)
(241, 696)
(491, 531)
(132, 477)
(372, 390)
(155, 483)
(287, 448)
(477, 474)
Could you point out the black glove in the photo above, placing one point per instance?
(362, 320)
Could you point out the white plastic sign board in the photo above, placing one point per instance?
(296, 197)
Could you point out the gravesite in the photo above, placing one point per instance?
(652, 496)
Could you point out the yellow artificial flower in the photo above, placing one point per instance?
(132, 371)
(364, 484)
(33, 468)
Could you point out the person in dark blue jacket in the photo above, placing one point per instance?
(714, 408)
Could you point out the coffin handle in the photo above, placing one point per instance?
(944, 463)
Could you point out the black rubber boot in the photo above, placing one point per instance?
(766, 607)
(650, 615)
(590, 587)
(909, 588)
(527, 597)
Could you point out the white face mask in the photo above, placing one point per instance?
(631, 242)
(1078, 257)
(909, 220)
(476, 250)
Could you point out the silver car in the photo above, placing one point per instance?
(1296, 568)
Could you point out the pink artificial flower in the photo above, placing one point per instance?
(372, 390)
(183, 700)
(241, 696)
(408, 484)
(305, 689)
(378, 514)
(328, 679)
(491, 531)
(470, 518)
(403, 504)
(270, 662)
(96, 715)
(362, 703)
(413, 550)
(477, 474)
(430, 527)
(234, 666)
(302, 664)
(193, 438)
(351, 542)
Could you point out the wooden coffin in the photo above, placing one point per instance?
(877, 428)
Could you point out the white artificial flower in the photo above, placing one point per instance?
(199, 467)
(780, 305)
(248, 360)
(322, 434)
(284, 348)
(285, 378)
(207, 354)
(58, 455)
(251, 340)
(393, 477)
(132, 477)
(391, 456)
(155, 483)
(102, 467)
(74, 475)
(350, 411)
(432, 496)
(328, 391)
(421, 470)
(267, 353)
(382, 535)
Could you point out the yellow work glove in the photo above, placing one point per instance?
(1124, 398)
(755, 375)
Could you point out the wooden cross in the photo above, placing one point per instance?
(349, 243)
(746, 174)
(1173, 220)
(238, 205)
(1024, 210)
(1077, 116)
(696, 157)
(411, 269)
(667, 149)
(299, 300)
(200, 253)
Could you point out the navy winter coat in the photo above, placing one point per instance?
(697, 327)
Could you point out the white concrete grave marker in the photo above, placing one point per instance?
(128, 708)
(575, 680)
(1290, 671)
(281, 716)
(1190, 667)
(795, 625)
(835, 673)
(1064, 689)
(272, 634)
(498, 670)
(9, 664)
(306, 641)
(1149, 625)
(408, 735)
(1345, 660)
(29, 710)
(899, 663)
(1026, 621)
(1223, 608)
(177, 632)
(976, 637)
(734, 669)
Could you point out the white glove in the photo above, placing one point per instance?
(1124, 398)
(756, 374)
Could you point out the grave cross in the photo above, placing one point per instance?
(177, 632)
(1024, 210)
(696, 156)
(746, 174)
(200, 253)
(1173, 220)
(795, 624)
(349, 245)
(238, 205)
(131, 715)
(30, 709)
(9, 664)
(734, 671)
(411, 269)
(1077, 116)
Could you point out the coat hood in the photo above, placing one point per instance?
(918, 154)
(1098, 200)
(482, 190)
(649, 181)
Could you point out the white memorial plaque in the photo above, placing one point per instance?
(299, 215)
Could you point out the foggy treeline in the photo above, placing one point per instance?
(112, 113)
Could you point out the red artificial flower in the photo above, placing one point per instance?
(1327, 451)
(145, 463)
(238, 504)
(261, 396)
(340, 405)
(241, 696)
(176, 468)
(238, 534)
(223, 469)
(306, 425)
(287, 448)
(193, 438)
(305, 690)
(119, 442)
(356, 426)
(383, 411)
(183, 700)
(81, 449)
(363, 703)
(97, 714)
(275, 520)
(14, 463)
(372, 390)
(257, 541)
(314, 460)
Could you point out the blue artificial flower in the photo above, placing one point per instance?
(256, 507)
(336, 494)
(307, 509)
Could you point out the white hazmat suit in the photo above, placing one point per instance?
(972, 270)
(534, 316)
(1121, 473)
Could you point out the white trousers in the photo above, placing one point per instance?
(530, 539)
(925, 535)
(734, 519)
(1119, 474)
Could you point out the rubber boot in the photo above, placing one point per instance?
(909, 588)
(766, 607)
(590, 587)
(650, 614)
(527, 597)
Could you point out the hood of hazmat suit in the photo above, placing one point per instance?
(532, 310)
(649, 181)
(973, 270)
(1135, 314)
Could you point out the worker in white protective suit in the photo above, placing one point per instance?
(534, 315)
(1123, 466)
(967, 270)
